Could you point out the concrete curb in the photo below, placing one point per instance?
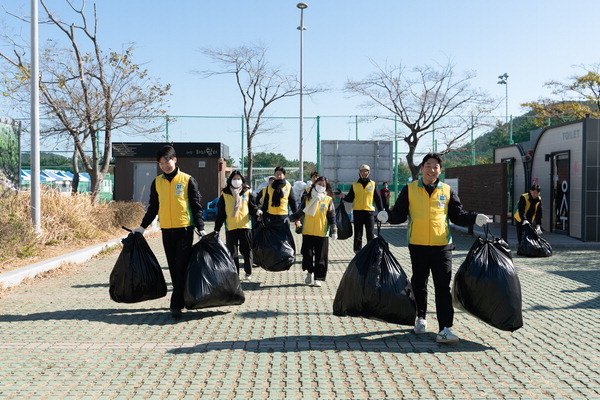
(15, 277)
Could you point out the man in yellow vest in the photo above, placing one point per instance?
(174, 196)
(430, 205)
(365, 199)
(529, 211)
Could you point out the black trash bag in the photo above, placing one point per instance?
(344, 225)
(137, 275)
(532, 245)
(486, 285)
(273, 246)
(375, 286)
(212, 277)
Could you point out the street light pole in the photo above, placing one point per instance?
(503, 80)
(301, 28)
(35, 122)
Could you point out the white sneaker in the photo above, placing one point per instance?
(248, 277)
(446, 336)
(421, 326)
(317, 283)
(308, 279)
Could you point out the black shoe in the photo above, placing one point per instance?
(176, 313)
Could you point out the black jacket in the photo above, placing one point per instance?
(221, 212)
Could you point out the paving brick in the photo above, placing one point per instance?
(63, 338)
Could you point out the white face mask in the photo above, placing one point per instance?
(236, 183)
(320, 189)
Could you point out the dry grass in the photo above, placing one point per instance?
(68, 222)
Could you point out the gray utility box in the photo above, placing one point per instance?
(340, 160)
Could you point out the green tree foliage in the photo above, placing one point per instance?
(571, 100)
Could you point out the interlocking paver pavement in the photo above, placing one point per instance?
(63, 338)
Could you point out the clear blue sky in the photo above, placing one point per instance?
(532, 41)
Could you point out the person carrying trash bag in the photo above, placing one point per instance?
(365, 199)
(318, 211)
(375, 286)
(175, 198)
(273, 244)
(234, 208)
(212, 276)
(529, 211)
(137, 275)
(430, 205)
(487, 286)
(532, 245)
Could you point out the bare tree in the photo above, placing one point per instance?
(259, 84)
(85, 91)
(423, 100)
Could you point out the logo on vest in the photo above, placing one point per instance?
(179, 189)
(442, 201)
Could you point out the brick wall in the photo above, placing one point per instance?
(482, 188)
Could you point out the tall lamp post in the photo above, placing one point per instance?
(301, 28)
(503, 80)
(35, 122)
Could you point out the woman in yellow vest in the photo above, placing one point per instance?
(319, 223)
(430, 205)
(278, 198)
(234, 209)
(365, 199)
(529, 211)
(174, 196)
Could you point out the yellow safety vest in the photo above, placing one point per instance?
(527, 206)
(317, 225)
(242, 221)
(174, 206)
(428, 215)
(283, 204)
(363, 196)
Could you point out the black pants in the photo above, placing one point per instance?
(366, 219)
(178, 248)
(519, 231)
(438, 261)
(239, 241)
(315, 255)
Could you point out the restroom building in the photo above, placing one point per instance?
(564, 160)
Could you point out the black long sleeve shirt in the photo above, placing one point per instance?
(529, 214)
(222, 213)
(399, 213)
(194, 198)
(376, 196)
(291, 202)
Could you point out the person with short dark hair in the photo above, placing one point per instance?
(175, 198)
(365, 200)
(529, 211)
(430, 205)
(234, 209)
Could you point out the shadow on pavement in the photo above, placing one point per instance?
(118, 316)
(398, 342)
(250, 286)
